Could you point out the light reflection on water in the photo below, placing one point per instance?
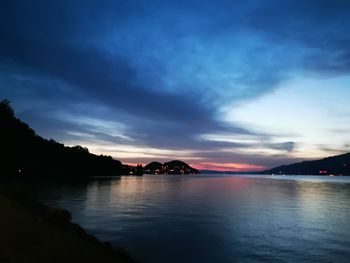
(215, 218)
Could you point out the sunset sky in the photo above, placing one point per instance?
(225, 85)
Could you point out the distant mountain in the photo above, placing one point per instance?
(335, 165)
(24, 153)
(172, 167)
(224, 172)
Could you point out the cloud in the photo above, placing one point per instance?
(101, 77)
(319, 31)
(287, 146)
(165, 70)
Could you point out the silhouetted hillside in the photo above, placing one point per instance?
(172, 167)
(335, 165)
(153, 168)
(24, 153)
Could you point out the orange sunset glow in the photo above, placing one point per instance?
(235, 167)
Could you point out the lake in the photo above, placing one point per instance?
(210, 219)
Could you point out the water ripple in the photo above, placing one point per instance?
(215, 219)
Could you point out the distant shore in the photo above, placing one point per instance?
(32, 232)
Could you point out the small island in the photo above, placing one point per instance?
(172, 167)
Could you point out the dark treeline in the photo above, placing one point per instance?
(24, 153)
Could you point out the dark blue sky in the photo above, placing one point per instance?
(220, 84)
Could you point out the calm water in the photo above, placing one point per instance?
(215, 218)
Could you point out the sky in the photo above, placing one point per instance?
(225, 85)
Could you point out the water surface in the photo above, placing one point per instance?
(214, 218)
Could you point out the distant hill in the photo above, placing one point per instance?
(24, 153)
(172, 167)
(335, 165)
(153, 168)
(224, 172)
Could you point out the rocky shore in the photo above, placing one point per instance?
(32, 232)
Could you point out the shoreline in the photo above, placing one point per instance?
(34, 232)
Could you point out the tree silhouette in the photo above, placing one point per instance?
(6, 109)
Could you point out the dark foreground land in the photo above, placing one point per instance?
(34, 233)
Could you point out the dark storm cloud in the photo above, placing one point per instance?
(100, 76)
(105, 79)
(96, 75)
